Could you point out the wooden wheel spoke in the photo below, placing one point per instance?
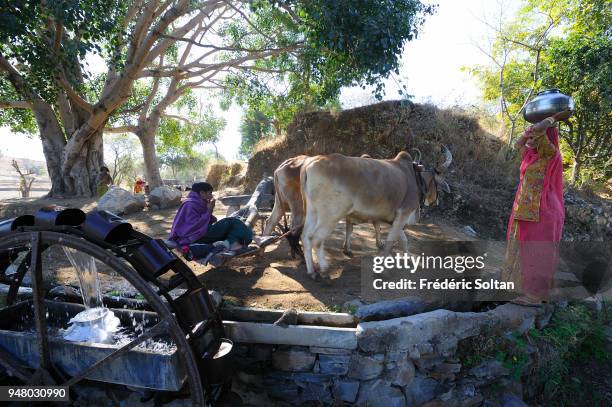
(157, 329)
(38, 296)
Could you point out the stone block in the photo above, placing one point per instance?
(365, 367)
(254, 332)
(330, 351)
(384, 310)
(401, 373)
(334, 364)
(345, 390)
(418, 333)
(421, 390)
(319, 392)
(490, 369)
(293, 360)
(380, 393)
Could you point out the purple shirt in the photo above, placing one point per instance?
(191, 221)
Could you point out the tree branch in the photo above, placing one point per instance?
(121, 129)
(16, 104)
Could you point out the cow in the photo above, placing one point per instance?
(288, 197)
(392, 190)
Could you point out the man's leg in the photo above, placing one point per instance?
(239, 233)
(217, 231)
(231, 229)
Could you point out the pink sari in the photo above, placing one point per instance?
(536, 221)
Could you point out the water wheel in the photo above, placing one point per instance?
(191, 321)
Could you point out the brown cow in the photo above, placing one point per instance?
(335, 187)
(288, 197)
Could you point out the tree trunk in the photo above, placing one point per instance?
(147, 140)
(576, 167)
(81, 181)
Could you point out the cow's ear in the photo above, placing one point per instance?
(443, 184)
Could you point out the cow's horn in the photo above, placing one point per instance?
(448, 158)
(417, 154)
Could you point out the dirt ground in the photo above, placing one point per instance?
(281, 282)
(278, 281)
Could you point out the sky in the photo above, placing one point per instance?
(431, 69)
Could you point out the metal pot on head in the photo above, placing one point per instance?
(547, 103)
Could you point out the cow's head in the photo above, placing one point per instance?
(432, 179)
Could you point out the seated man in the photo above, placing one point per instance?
(194, 223)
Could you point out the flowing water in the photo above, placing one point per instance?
(85, 266)
(95, 323)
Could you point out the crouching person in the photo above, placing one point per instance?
(197, 231)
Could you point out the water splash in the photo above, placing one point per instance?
(92, 325)
(95, 323)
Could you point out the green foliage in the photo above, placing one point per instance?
(341, 43)
(255, 126)
(573, 41)
(545, 359)
(122, 158)
(88, 25)
(178, 137)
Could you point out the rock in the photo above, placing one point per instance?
(364, 367)
(319, 392)
(428, 362)
(421, 390)
(490, 369)
(165, 197)
(390, 309)
(283, 392)
(445, 371)
(293, 360)
(345, 390)
(120, 202)
(379, 393)
(330, 351)
(334, 364)
(64, 291)
(401, 373)
(426, 333)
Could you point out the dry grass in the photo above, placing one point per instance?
(384, 129)
(221, 174)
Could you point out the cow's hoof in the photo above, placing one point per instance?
(348, 253)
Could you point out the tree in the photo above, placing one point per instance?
(516, 54)
(45, 45)
(561, 44)
(123, 157)
(255, 126)
(178, 135)
(25, 180)
(579, 63)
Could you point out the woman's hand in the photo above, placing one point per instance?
(563, 116)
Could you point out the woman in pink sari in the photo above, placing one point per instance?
(536, 221)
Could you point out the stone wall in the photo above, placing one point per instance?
(407, 361)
